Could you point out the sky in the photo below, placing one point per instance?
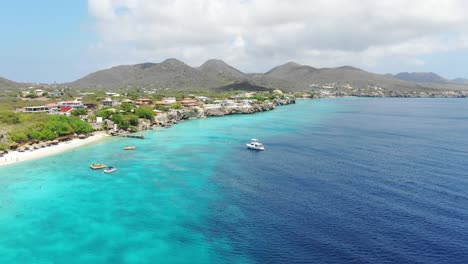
(61, 41)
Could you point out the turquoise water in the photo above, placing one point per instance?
(57, 210)
(343, 180)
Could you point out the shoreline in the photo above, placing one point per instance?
(16, 157)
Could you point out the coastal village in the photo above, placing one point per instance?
(120, 115)
(165, 112)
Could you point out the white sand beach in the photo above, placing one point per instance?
(16, 157)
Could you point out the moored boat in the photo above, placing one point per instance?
(129, 148)
(109, 169)
(97, 166)
(255, 145)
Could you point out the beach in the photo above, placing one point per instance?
(17, 157)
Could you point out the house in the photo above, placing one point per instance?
(39, 92)
(112, 94)
(67, 111)
(228, 103)
(90, 106)
(65, 106)
(212, 106)
(143, 101)
(246, 102)
(278, 92)
(202, 98)
(163, 103)
(127, 101)
(108, 102)
(36, 109)
(188, 102)
(53, 107)
(243, 95)
(169, 99)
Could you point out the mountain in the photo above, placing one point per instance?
(218, 75)
(170, 73)
(420, 77)
(218, 69)
(175, 74)
(291, 71)
(460, 80)
(305, 77)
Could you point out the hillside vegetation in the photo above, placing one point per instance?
(22, 128)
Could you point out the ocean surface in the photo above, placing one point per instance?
(341, 181)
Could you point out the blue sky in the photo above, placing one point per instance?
(52, 40)
(44, 41)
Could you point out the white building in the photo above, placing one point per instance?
(36, 109)
(169, 99)
(109, 102)
(202, 98)
(39, 92)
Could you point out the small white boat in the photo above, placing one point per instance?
(255, 145)
(129, 148)
(110, 170)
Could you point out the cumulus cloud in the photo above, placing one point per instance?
(257, 34)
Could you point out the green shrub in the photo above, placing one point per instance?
(9, 118)
(79, 112)
(145, 113)
(47, 134)
(176, 106)
(132, 120)
(18, 137)
(104, 113)
(161, 108)
(34, 134)
(127, 107)
(121, 122)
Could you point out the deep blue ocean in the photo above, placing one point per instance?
(341, 181)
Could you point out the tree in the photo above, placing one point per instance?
(127, 107)
(9, 118)
(34, 134)
(47, 134)
(120, 121)
(176, 106)
(162, 108)
(79, 126)
(104, 113)
(132, 120)
(79, 112)
(18, 137)
(145, 113)
(31, 95)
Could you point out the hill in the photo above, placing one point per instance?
(305, 77)
(218, 75)
(5, 83)
(218, 69)
(420, 77)
(460, 80)
(170, 73)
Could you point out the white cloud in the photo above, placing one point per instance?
(258, 34)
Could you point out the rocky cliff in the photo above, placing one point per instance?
(176, 116)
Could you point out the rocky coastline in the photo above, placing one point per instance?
(179, 115)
